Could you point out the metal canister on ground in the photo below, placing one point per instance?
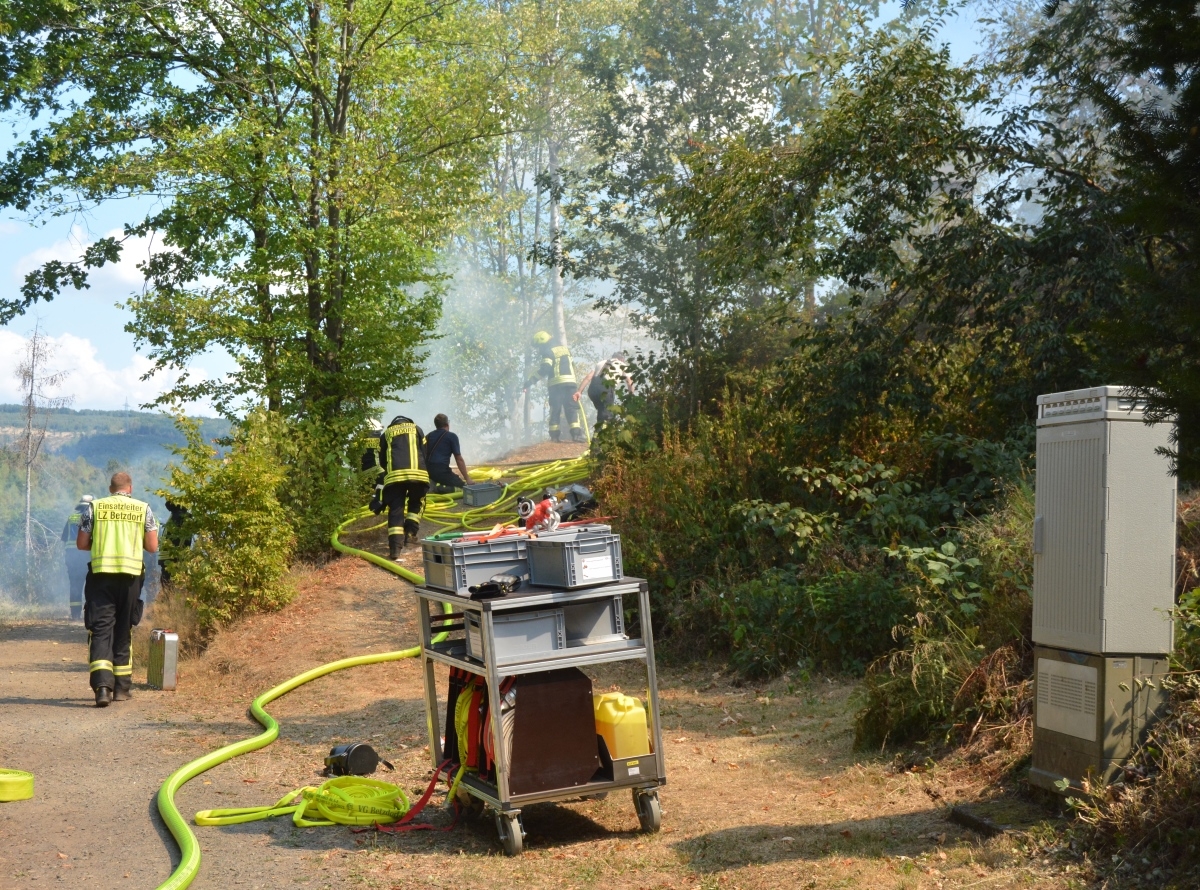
(164, 659)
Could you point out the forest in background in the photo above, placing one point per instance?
(82, 449)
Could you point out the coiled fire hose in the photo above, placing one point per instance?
(15, 785)
(345, 803)
(346, 800)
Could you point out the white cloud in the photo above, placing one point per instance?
(123, 276)
(89, 381)
(8, 228)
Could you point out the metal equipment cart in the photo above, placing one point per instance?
(541, 630)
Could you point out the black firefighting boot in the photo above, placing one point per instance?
(411, 530)
(555, 435)
(576, 434)
(395, 545)
(103, 696)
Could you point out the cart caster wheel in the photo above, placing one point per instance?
(512, 833)
(649, 810)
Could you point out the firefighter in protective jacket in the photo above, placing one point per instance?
(403, 481)
(558, 369)
(116, 529)
(76, 559)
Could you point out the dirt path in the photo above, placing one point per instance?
(93, 821)
(95, 771)
(764, 790)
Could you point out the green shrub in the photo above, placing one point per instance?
(965, 655)
(840, 621)
(242, 542)
(323, 484)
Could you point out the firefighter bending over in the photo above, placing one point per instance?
(403, 481)
(559, 371)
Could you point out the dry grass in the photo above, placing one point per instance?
(169, 611)
(1145, 831)
(1187, 559)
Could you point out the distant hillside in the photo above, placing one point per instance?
(108, 437)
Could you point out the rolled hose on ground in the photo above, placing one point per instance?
(528, 478)
(15, 785)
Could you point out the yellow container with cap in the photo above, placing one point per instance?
(621, 722)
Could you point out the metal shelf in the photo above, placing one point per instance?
(572, 656)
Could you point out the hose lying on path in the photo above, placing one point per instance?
(15, 785)
(529, 478)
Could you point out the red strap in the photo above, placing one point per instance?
(489, 742)
(473, 728)
(406, 823)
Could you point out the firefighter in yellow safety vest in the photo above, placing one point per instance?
(402, 483)
(558, 369)
(116, 530)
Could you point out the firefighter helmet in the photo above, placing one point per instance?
(541, 337)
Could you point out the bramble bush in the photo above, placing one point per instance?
(963, 659)
(782, 620)
(242, 542)
(771, 564)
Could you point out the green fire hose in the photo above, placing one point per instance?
(15, 784)
(528, 478)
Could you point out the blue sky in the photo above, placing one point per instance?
(88, 326)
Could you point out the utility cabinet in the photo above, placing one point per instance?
(1104, 526)
(1091, 712)
(1103, 583)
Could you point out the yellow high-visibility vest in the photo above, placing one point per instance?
(118, 531)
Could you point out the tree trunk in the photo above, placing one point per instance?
(556, 275)
(30, 390)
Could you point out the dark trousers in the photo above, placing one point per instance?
(445, 476)
(562, 401)
(108, 616)
(603, 400)
(405, 501)
(77, 569)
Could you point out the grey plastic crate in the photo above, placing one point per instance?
(518, 635)
(478, 494)
(459, 565)
(595, 621)
(582, 558)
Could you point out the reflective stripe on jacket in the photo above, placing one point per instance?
(557, 366)
(118, 532)
(402, 449)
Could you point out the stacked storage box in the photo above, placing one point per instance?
(584, 556)
(571, 559)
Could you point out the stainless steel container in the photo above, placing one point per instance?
(164, 659)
